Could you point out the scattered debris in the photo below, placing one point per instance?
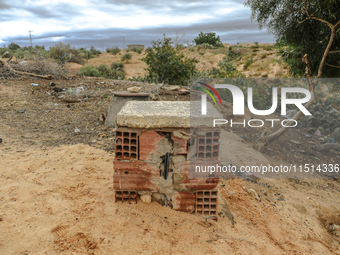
(35, 84)
(134, 89)
(21, 111)
(77, 130)
(102, 117)
(295, 142)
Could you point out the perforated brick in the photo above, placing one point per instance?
(126, 145)
(208, 146)
(126, 196)
(206, 202)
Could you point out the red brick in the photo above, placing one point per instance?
(182, 143)
(148, 141)
(184, 201)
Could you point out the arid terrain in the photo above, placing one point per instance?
(56, 170)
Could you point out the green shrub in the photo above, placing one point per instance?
(13, 46)
(89, 71)
(139, 51)
(102, 71)
(168, 64)
(247, 64)
(118, 66)
(114, 50)
(64, 53)
(209, 38)
(127, 57)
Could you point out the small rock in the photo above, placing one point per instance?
(21, 111)
(77, 130)
(145, 199)
(134, 89)
(153, 96)
(254, 194)
(94, 141)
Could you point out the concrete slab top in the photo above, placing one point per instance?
(130, 94)
(161, 114)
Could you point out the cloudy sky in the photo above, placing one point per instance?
(105, 22)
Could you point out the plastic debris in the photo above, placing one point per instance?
(35, 84)
(79, 90)
(21, 111)
(77, 130)
(318, 133)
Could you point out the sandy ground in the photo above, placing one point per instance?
(60, 201)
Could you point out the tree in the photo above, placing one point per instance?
(209, 38)
(13, 46)
(310, 26)
(167, 64)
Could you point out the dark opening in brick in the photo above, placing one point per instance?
(201, 148)
(126, 148)
(126, 155)
(119, 148)
(213, 200)
(133, 142)
(133, 149)
(118, 133)
(208, 148)
(126, 135)
(118, 155)
(119, 141)
(215, 141)
(133, 156)
(216, 134)
(209, 135)
(126, 172)
(133, 135)
(209, 141)
(202, 141)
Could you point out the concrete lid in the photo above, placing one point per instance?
(130, 94)
(161, 114)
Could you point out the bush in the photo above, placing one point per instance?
(102, 71)
(126, 56)
(118, 66)
(168, 64)
(247, 64)
(89, 71)
(63, 53)
(209, 38)
(13, 46)
(114, 50)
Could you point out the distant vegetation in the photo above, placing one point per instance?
(208, 38)
(61, 53)
(168, 64)
(116, 71)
